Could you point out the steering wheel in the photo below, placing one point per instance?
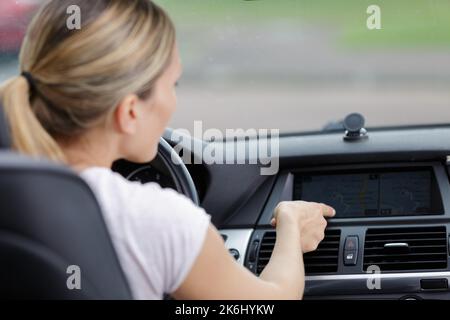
(177, 170)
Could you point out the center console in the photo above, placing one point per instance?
(389, 238)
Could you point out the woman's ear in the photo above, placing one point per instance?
(126, 114)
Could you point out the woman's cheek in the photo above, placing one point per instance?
(173, 102)
(170, 107)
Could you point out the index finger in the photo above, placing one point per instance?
(327, 211)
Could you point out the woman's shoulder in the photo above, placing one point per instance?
(117, 194)
(108, 181)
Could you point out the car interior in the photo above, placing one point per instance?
(389, 184)
(407, 237)
(390, 189)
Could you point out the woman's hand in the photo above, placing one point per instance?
(308, 216)
(216, 275)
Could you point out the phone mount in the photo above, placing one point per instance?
(354, 127)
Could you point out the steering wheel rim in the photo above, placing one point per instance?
(177, 170)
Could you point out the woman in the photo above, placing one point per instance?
(91, 96)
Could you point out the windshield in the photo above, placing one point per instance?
(296, 65)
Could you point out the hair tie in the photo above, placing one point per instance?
(29, 79)
(34, 91)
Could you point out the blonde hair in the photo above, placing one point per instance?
(79, 76)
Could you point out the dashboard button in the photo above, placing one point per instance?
(234, 253)
(254, 251)
(434, 284)
(351, 250)
(350, 258)
(351, 243)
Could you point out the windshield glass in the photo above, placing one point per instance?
(296, 65)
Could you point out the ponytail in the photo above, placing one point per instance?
(28, 135)
(78, 77)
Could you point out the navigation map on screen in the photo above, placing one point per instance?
(368, 194)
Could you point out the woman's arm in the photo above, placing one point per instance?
(216, 275)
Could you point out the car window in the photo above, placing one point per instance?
(297, 65)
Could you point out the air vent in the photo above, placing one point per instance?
(323, 260)
(400, 249)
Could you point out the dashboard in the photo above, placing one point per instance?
(390, 236)
(390, 226)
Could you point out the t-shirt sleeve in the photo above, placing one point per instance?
(170, 231)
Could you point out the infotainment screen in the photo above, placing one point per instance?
(371, 194)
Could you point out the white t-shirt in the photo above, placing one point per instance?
(157, 233)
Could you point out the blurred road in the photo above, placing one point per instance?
(299, 78)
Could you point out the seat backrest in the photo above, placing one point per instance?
(5, 141)
(51, 225)
(52, 234)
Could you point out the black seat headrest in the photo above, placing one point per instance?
(5, 139)
(50, 220)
